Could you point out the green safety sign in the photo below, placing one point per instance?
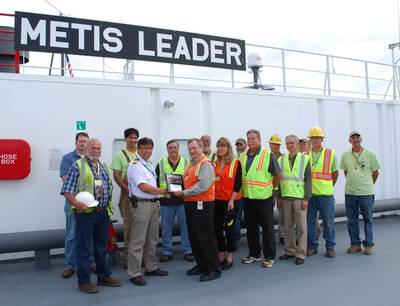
(81, 125)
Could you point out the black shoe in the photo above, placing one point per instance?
(286, 256)
(299, 261)
(210, 276)
(188, 257)
(138, 281)
(156, 272)
(225, 265)
(194, 271)
(165, 258)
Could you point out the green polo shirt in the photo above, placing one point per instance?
(120, 163)
(359, 169)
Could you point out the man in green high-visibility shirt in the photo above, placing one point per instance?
(120, 164)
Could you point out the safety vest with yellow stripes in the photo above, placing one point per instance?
(257, 182)
(86, 182)
(321, 171)
(292, 182)
(165, 168)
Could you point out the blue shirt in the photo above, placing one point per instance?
(67, 161)
(71, 183)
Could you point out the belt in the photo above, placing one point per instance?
(100, 208)
(146, 200)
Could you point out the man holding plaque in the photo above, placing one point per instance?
(169, 176)
(143, 191)
(198, 195)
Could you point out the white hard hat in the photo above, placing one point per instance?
(86, 198)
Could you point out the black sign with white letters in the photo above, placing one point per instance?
(58, 34)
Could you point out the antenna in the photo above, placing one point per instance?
(52, 55)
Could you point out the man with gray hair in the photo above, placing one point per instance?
(90, 176)
(206, 147)
(295, 189)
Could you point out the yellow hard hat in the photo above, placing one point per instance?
(316, 132)
(275, 139)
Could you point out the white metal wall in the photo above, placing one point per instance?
(43, 110)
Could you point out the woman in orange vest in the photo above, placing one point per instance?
(228, 182)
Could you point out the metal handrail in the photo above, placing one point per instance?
(328, 70)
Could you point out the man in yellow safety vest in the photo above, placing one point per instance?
(324, 171)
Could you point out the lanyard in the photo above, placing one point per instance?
(357, 157)
(315, 162)
(149, 169)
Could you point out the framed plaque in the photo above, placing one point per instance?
(174, 182)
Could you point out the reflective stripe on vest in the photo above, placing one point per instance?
(190, 178)
(225, 184)
(165, 168)
(86, 182)
(292, 183)
(258, 181)
(322, 181)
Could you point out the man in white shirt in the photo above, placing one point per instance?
(143, 190)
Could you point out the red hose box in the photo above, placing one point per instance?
(15, 159)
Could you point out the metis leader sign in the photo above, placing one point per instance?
(60, 34)
(15, 159)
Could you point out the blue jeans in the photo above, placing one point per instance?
(238, 223)
(70, 241)
(92, 227)
(326, 207)
(355, 204)
(168, 213)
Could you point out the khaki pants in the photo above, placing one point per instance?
(142, 245)
(295, 216)
(124, 205)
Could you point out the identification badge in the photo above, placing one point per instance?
(199, 205)
(217, 178)
(98, 183)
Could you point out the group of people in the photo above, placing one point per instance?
(217, 187)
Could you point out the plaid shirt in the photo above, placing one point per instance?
(71, 183)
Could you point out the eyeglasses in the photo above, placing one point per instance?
(239, 144)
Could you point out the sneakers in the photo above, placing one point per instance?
(354, 249)
(330, 252)
(67, 273)
(109, 282)
(267, 263)
(87, 287)
(250, 259)
(368, 250)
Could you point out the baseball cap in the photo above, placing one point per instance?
(354, 133)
